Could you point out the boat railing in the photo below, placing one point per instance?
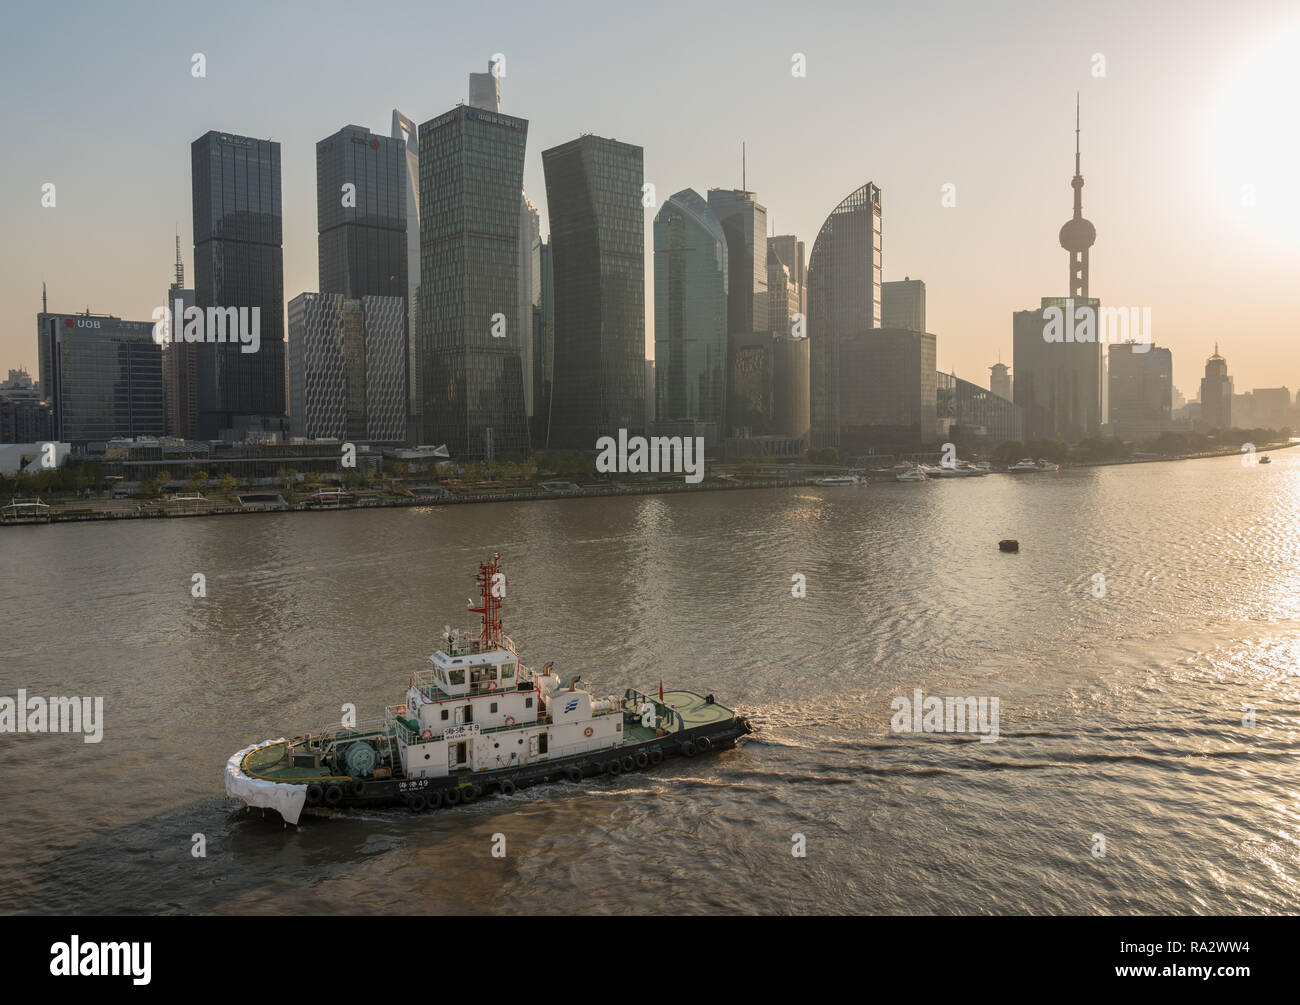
(633, 699)
(472, 646)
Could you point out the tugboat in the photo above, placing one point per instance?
(477, 722)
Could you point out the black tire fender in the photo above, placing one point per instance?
(614, 767)
(656, 756)
(506, 787)
(315, 793)
(642, 759)
(435, 799)
(574, 773)
(451, 797)
(416, 802)
(688, 748)
(333, 795)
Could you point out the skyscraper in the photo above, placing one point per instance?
(543, 344)
(179, 361)
(347, 367)
(1216, 393)
(690, 277)
(359, 214)
(790, 250)
(470, 334)
(744, 222)
(886, 388)
(239, 263)
(1059, 383)
(844, 292)
(404, 131)
(902, 304)
(530, 268)
(593, 191)
(102, 377)
(1140, 379)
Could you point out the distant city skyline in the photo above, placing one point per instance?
(1178, 156)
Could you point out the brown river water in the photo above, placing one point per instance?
(1121, 715)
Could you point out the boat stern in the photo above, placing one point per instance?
(285, 798)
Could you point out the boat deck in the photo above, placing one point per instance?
(272, 763)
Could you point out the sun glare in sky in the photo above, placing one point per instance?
(1255, 133)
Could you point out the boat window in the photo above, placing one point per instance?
(507, 671)
(493, 708)
(541, 742)
(528, 703)
(457, 677)
(444, 715)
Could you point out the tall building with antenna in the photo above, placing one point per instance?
(744, 223)
(179, 360)
(1059, 383)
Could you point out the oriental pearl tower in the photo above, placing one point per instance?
(1078, 234)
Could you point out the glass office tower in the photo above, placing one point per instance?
(1058, 384)
(543, 344)
(744, 222)
(469, 330)
(690, 312)
(239, 262)
(361, 246)
(102, 377)
(593, 191)
(405, 132)
(843, 299)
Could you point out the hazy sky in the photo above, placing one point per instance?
(1197, 102)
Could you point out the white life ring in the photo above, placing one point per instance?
(588, 731)
(427, 735)
(510, 720)
(401, 709)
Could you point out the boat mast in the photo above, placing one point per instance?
(490, 636)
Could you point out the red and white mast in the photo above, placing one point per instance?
(490, 578)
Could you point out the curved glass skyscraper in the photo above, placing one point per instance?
(843, 299)
(690, 312)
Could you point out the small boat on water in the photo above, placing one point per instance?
(1029, 465)
(910, 475)
(1265, 459)
(477, 722)
(840, 480)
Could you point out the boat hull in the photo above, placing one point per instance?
(291, 799)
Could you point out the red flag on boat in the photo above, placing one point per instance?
(661, 691)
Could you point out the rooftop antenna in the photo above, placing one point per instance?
(180, 266)
(743, 187)
(45, 304)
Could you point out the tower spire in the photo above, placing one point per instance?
(1078, 234)
(45, 303)
(180, 266)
